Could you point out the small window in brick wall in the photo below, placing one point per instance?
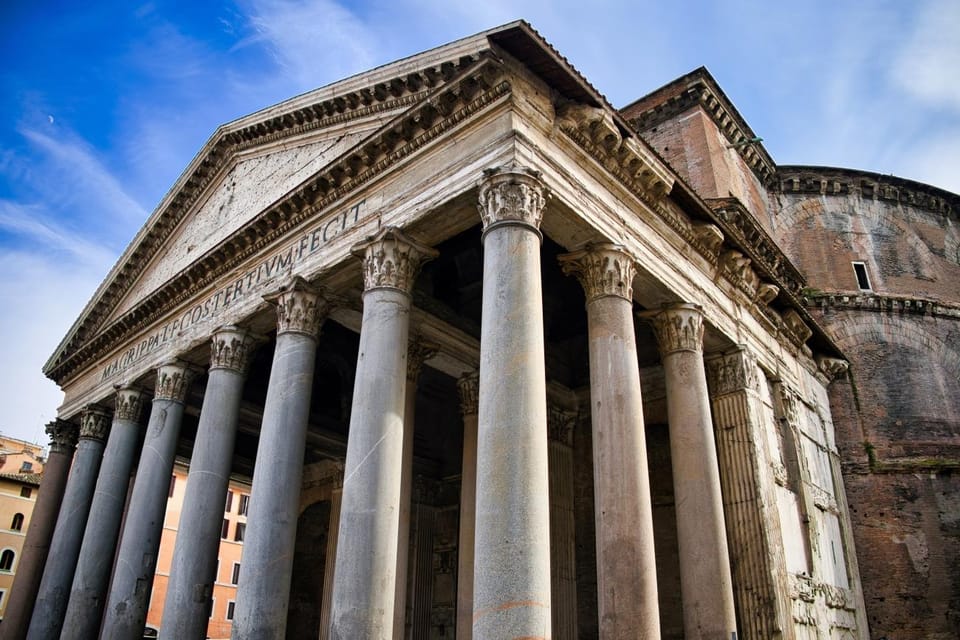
(862, 280)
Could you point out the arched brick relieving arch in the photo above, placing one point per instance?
(852, 329)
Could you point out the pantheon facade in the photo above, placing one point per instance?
(501, 361)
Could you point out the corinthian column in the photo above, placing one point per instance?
(417, 354)
(268, 547)
(65, 548)
(468, 386)
(126, 611)
(511, 596)
(186, 610)
(705, 582)
(88, 593)
(364, 589)
(36, 545)
(626, 564)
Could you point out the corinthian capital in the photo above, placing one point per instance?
(391, 260)
(173, 381)
(129, 404)
(833, 368)
(512, 195)
(418, 352)
(63, 436)
(301, 308)
(603, 270)
(94, 423)
(469, 387)
(734, 371)
(232, 348)
(678, 328)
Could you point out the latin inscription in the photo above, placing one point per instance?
(280, 263)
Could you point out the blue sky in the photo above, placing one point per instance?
(103, 104)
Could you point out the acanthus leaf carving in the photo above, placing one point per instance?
(468, 386)
(419, 352)
(602, 269)
(512, 194)
(301, 308)
(94, 423)
(128, 404)
(734, 371)
(173, 381)
(63, 436)
(560, 425)
(232, 348)
(677, 328)
(391, 260)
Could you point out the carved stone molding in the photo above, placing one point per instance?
(63, 436)
(301, 308)
(560, 425)
(129, 404)
(796, 325)
(461, 90)
(833, 368)
(94, 423)
(173, 381)
(709, 235)
(512, 195)
(391, 260)
(789, 405)
(678, 328)
(767, 293)
(232, 348)
(734, 371)
(469, 387)
(419, 352)
(603, 270)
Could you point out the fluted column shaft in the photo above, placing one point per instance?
(706, 586)
(36, 544)
(469, 387)
(511, 596)
(364, 590)
(125, 615)
(194, 566)
(758, 564)
(268, 547)
(54, 593)
(90, 581)
(416, 354)
(626, 564)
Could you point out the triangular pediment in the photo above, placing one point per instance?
(262, 175)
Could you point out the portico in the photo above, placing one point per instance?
(503, 229)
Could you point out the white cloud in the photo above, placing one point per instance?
(40, 298)
(926, 65)
(313, 41)
(76, 176)
(29, 224)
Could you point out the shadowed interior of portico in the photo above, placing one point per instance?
(449, 290)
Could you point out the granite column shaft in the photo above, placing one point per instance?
(469, 386)
(364, 590)
(54, 591)
(706, 585)
(92, 576)
(626, 563)
(125, 615)
(268, 547)
(36, 545)
(194, 566)
(511, 595)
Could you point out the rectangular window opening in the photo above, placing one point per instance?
(229, 501)
(230, 605)
(225, 530)
(235, 577)
(862, 280)
(241, 529)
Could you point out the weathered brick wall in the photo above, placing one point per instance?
(897, 412)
